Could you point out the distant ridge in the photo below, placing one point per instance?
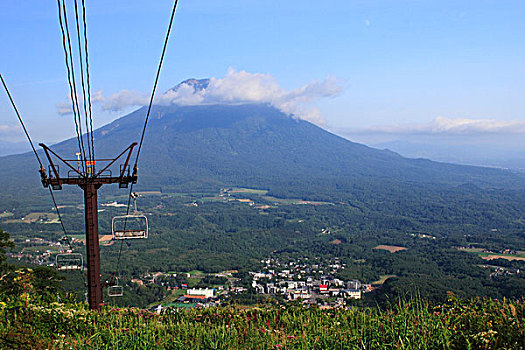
(256, 145)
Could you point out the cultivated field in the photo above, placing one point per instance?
(390, 248)
(503, 256)
(247, 190)
(46, 218)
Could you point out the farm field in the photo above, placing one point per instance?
(247, 190)
(42, 217)
(390, 248)
(486, 255)
(293, 201)
(503, 256)
(5, 214)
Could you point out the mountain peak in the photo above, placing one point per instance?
(196, 84)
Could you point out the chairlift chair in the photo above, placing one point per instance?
(115, 290)
(129, 226)
(69, 262)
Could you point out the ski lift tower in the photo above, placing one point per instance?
(90, 181)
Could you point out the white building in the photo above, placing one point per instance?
(354, 284)
(208, 293)
(353, 293)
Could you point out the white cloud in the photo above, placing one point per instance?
(10, 132)
(122, 99)
(65, 107)
(184, 95)
(463, 125)
(7, 129)
(449, 126)
(97, 96)
(236, 87)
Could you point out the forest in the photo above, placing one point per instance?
(218, 231)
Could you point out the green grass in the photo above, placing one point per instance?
(293, 201)
(212, 199)
(295, 220)
(174, 295)
(40, 217)
(248, 190)
(407, 324)
(382, 279)
(519, 254)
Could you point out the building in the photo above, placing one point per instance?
(354, 284)
(352, 293)
(206, 292)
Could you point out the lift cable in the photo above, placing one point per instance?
(66, 42)
(147, 118)
(36, 155)
(88, 79)
(21, 121)
(156, 81)
(91, 158)
(71, 93)
(116, 272)
(73, 76)
(60, 218)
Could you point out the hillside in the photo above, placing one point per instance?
(226, 182)
(212, 146)
(413, 324)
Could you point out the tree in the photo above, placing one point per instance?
(4, 244)
(46, 282)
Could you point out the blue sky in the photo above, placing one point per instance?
(448, 70)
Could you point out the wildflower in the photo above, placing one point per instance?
(513, 310)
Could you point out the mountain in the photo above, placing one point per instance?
(7, 148)
(195, 84)
(258, 146)
(491, 155)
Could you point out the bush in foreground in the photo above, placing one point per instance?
(409, 324)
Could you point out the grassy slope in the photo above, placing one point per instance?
(412, 324)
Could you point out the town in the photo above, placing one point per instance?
(311, 280)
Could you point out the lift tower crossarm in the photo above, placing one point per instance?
(47, 150)
(90, 186)
(130, 148)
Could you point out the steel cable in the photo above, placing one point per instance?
(147, 116)
(82, 79)
(66, 42)
(88, 79)
(37, 157)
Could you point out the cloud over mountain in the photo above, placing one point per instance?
(448, 126)
(7, 130)
(237, 87)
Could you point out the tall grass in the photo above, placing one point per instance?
(408, 324)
